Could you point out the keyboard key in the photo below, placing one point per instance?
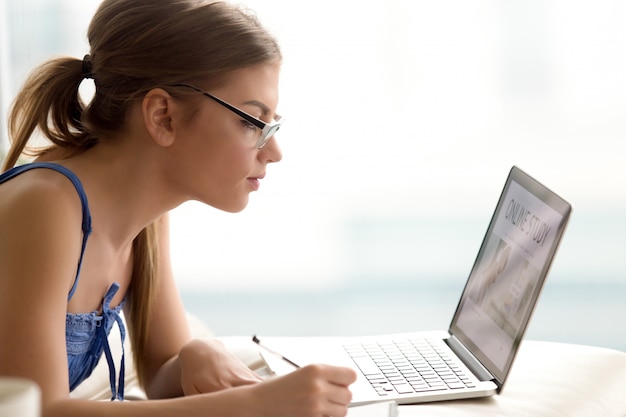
(409, 366)
(404, 388)
(366, 365)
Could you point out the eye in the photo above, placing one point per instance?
(248, 125)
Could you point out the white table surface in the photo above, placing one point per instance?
(548, 379)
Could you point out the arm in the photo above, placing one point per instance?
(179, 365)
(313, 391)
(41, 225)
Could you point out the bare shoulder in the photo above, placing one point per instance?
(41, 196)
(40, 219)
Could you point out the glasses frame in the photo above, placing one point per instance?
(267, 129)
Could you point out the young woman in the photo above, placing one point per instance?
(184, 109)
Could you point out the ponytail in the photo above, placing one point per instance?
(49, 102)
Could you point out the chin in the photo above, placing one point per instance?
(232, 205)
(233, 208)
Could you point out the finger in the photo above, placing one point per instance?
(190, 389)
(339, 396)
(342, 376)
(248, 381)
(246, 377)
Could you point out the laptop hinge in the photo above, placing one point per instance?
(469, 360)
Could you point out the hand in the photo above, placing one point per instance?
(206, 366)
(312, 391)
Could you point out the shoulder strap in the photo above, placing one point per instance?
(86, 225)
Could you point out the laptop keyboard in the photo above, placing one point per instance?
(409, 366)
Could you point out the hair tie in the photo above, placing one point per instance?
(87, 67)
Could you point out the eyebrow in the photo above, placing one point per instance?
(264, 109)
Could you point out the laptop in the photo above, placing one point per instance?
(474, 356)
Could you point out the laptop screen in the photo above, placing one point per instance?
(509, 272)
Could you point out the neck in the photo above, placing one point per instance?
(125, 187)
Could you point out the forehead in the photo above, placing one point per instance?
(258, 83)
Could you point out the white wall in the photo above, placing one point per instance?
(403, 119)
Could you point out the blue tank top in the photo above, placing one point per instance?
(86, 334)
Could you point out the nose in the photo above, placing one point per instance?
(271, 151)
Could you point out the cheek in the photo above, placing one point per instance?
(225, 185)
(225, 165)
(211, 148)
(215, 164)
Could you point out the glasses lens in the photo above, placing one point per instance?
(267, 133)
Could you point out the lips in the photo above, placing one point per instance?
(255, 183)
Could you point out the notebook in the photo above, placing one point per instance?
(474, 356)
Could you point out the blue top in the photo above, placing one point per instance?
(86, 334)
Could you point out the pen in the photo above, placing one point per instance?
(256, 340)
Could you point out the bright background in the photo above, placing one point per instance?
(403, 119)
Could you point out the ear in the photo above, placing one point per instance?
(158, 110)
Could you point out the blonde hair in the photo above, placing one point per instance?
(136, 45)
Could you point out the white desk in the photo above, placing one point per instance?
(547, 380)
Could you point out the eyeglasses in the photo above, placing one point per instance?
(267, 129)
